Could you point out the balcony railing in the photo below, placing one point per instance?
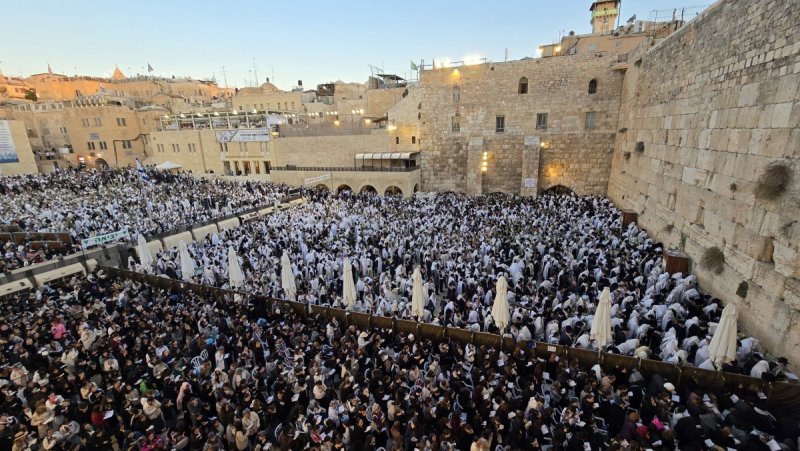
(343, 169)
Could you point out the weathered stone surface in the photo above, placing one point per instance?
(724, 90)
(570, 154)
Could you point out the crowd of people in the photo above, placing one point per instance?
(19, 255)
(557, 253)
(107, 363)
(88, 203)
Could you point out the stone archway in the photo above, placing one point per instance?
(322, 186)
(100, 163)
(343, 187)
(559, 190)
(416, 187)
(393, 191)
(368, 189)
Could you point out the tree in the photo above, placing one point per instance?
(30, 95)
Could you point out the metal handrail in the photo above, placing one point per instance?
(342, 169)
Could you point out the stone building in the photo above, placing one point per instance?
(96, 131)
(537, 123)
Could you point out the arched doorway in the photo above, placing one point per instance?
(393, 191)
(558, 190)
(368, 189)
(342, 188)
(100, 163)
(416, 187)
(322, 186)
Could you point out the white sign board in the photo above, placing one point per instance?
(8, 151)
(317, 179)
(244, 135)
(530, 182)
(102, 239)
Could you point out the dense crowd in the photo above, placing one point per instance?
(103, 363)
(23, 254)
(556, 251)
(88, 203)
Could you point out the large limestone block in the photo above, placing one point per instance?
(772, 282)
(740, 262)
(791, 294)
(751, 243)
(787, 260)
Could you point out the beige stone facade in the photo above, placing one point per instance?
(493, 108)
(285, 160)
(98, 133)
(19, 136)
(59, 87)
(704, 114)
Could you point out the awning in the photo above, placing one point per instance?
(168, 165)
(386, 156)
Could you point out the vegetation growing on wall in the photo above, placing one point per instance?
(713, 260)
(773, 182)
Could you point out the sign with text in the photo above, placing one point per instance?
(103, 239)
(317, 179)
(605, 12)
(8, 151)
(244, 135)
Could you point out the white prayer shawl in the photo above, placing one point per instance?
(759, 369)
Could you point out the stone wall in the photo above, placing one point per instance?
(704, 113)
(205, 153)
(336, 151)
(458, 106)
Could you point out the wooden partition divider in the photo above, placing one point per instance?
(783, 393)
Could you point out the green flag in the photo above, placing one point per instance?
(414, 66)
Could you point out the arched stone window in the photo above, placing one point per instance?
(593, 86)
(523, 85)
(456, 94)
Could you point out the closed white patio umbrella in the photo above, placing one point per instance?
(500, 309)
(349, 292)
(187, 263)
(722, 348)
(417, 297)
(601, 323)
(145, 257)
(287, 278)
(235, 274)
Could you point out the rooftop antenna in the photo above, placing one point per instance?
(224, 77)
(255, 73)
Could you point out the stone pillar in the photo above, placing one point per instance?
(475, 150)
(530, 167)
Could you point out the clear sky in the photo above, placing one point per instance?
(316, 41)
